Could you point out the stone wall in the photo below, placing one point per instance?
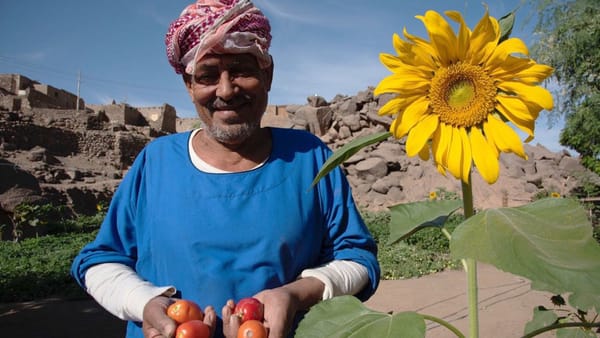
(53, 98)
(163, 118)
(121, 113)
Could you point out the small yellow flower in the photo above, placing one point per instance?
(432, 195)
(554, 194)
(456, 93)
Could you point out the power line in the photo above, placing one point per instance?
(68, 75)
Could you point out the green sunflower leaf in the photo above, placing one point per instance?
(575, 333)
(541, 318)
(549, 242)
(408, 218)
(506, 25)
(346, 316)
(349, 149)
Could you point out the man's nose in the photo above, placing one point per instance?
(225, 87)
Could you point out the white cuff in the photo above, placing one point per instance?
(121, 291)
(339, 277)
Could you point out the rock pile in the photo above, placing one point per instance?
(77, 158)
(383, 175)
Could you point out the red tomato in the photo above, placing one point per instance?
(184, 310)
(252, 329)
(193, 329)
(249, 308)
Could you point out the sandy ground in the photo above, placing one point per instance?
(505, 303)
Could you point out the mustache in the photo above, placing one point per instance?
(235, 102)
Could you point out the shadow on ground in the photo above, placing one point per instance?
(58, 318)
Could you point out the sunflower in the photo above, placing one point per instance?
(432, 195)
(457, 93)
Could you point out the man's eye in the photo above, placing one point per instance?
(206, 78)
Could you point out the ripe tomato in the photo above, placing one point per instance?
(249, 308)
(252, 329)
(193, 329)
(184, 310)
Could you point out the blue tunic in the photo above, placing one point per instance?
(227, 236)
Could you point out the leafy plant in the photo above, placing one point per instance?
(548, 241)
(568, 323)
(39, 267)
(35, 216)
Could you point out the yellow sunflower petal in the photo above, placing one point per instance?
(527, 92)
(420, 134)
(484, 156)
(455, 154)
(398, 84)
(509, 68)
(535, 74)
(401, 68)
(503, 136)
(484, 39)
(439, 147)
(466, 155)
(464, 33)
(391, 62)
(412, 114)
(517, 107)
(441, 144)
(504, 50)
(394, 129)
(424, 153)
(391, 107)
(527, 125)
(441, 35)
(398, 104)
(416, 52)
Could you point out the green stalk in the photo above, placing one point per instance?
(445, 324)
(471, 265)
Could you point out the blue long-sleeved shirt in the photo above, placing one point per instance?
(227, 236)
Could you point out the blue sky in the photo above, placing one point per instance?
(323, 47)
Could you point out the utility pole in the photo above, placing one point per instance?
(78, 85)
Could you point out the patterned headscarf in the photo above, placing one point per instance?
(217, 26)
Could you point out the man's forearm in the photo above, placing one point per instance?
(307, 291)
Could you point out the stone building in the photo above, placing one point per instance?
(19, 92)
(160, 118)
(120, 113)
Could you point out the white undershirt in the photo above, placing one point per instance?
(120, 290)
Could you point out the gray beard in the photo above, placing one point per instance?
(233, 133)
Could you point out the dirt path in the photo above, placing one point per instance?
(506, 301)
(506, 305)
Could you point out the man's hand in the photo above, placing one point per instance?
(231, 322)
(281, 304)
(158, 325)
(280, 309)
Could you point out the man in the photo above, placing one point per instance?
(227, 211)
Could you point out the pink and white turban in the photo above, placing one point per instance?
(220, 27)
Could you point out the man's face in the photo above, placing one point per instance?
(230, 93)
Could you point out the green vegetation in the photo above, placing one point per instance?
(568, 39)
(38, 267)
(423, 253)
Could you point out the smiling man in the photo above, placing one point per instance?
(227, 211)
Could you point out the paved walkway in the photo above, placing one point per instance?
(506, 305)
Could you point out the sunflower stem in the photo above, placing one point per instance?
(471, 265)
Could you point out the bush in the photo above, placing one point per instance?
(423, 253)
(39, 267)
